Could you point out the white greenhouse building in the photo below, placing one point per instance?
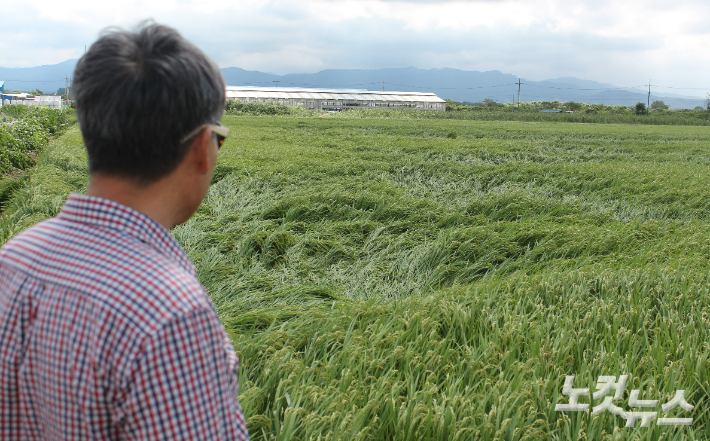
(337, 99)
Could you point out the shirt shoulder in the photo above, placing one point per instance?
(116, 270)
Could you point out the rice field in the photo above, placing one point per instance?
(422, 278)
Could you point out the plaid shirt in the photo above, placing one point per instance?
(105, 333)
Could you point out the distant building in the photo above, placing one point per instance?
(52, 101)
(337, 99)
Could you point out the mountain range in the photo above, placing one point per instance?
(454, 84)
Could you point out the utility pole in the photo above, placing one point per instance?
(648, 107)
(66, 89)
(277, 82)
(518, 83)
(383, 84)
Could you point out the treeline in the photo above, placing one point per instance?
(577, 112)
(236, 107)
(570, 106)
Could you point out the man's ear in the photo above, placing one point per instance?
(200, 150)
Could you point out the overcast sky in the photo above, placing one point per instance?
(624, 42)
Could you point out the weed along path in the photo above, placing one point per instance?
(24, 131)
(395, 278)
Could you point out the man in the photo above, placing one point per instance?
(105, 331)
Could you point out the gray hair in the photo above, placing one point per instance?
(137, 94)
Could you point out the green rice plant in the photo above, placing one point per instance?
(60, 170)
(383, 280)
(8, 186)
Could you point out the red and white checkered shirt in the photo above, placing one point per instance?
(106, 333)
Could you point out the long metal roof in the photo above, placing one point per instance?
(329, 94)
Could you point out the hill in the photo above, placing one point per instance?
(47, 78)
(454, 84)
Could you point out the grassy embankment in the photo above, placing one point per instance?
(581, 113)
(24, 131)
(406, 278)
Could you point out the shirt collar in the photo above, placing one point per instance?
(106, 213)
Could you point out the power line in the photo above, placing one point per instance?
(683, 88)
(382, 83)
(549, 99)
(581, 88)
(321, 85)
(424, 87)
(453, 88)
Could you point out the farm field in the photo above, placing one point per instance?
(397, 278)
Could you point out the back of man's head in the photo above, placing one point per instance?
(138, 93)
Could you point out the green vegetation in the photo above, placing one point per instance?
(659, 105)
(410, 275)
(28, 134)
(235, 107)
(14, 111)
(22, 136)
(488, 110)
(8, 186)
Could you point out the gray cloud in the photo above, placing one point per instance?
(282, 37)
(372, 43)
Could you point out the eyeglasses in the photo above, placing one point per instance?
(219, 131)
